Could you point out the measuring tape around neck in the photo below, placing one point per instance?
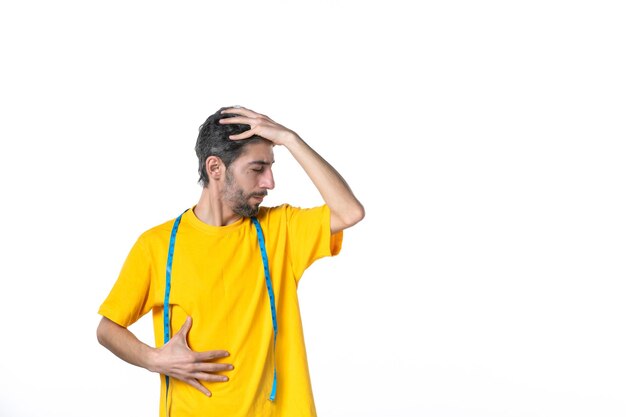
(168, 284)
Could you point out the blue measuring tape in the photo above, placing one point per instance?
(168, 285)
(270, 293)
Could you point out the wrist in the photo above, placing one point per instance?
(291, 139)
(150, 359)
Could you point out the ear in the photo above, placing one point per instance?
(215, 168)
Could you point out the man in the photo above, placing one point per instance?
(221, 279)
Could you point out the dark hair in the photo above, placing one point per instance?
(213, 140)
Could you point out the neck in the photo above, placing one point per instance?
(212, 211)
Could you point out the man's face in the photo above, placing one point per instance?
(248, 178)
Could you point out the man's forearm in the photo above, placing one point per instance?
(345, 209)
(124, 344)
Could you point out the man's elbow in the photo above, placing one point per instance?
(102, 333)
(348, 218)
(357, 214)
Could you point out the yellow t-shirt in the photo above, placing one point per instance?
(218, 279)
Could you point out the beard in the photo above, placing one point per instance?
(238, 199)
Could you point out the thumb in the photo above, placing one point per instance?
(184, 329)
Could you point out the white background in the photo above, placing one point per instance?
(485, 139)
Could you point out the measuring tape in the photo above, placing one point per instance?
(168, 284)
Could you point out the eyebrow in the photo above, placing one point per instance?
(260, 162)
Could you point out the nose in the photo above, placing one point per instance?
(267, 179)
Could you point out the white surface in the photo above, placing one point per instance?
(485, 139)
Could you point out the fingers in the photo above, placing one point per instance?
(243, 121)
(245, 135)
(213, 367)
(237, 120)
(194, 383)
(211, 355)
(201, 376)
(206, 373)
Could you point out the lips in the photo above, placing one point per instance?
(258, 197)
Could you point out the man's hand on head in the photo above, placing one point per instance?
(260, 125)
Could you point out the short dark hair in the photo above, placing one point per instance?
(213, 140)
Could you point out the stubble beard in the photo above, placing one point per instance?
(239, 201)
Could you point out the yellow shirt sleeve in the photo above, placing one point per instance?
(310, 238)
(130, 298)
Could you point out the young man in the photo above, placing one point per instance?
(221, 279)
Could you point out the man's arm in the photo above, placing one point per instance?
(174, 359)
(345, 209)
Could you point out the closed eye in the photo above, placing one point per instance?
(259, 165)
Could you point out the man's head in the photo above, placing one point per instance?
(246, 164)
(213, 141)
